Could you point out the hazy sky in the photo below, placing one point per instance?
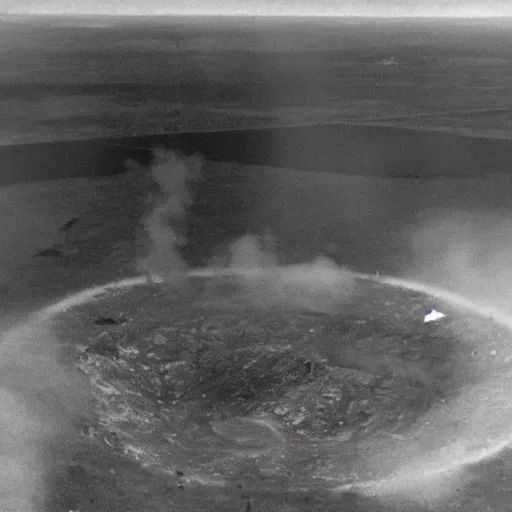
(480, 8)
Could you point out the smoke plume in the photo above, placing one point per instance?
(465, 243)
(320, 286)
(165, 223)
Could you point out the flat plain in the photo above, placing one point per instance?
(68, 79)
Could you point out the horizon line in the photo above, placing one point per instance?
(251, 15)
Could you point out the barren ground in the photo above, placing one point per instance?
(215, 403)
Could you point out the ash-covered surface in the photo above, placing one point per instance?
(213, 389)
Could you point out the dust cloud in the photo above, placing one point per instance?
(42, 406)
(320, 286)
(455, 233)
(466, 251)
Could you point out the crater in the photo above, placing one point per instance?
(206, 384)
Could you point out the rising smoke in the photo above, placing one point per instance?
(165, 223)
(449, 232)
(318, 286)
(468, 251)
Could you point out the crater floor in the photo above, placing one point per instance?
(214, 391)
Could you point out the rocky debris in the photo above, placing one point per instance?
(318, 407)
(104, 347)
(247, 392)
(108, 320)
(69, 224)
(77, 472)
(52, 252)
(204, 363)
(159, 339)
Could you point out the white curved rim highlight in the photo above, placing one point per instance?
(435, 468)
